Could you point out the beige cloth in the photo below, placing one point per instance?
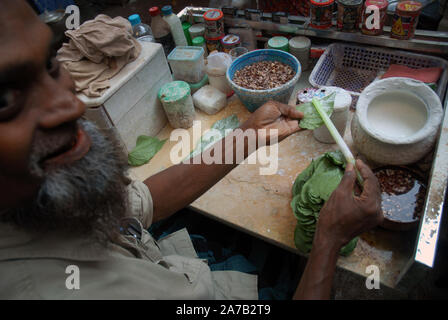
(34, 266)
(97, 51)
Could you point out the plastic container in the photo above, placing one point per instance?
(279, 43)
(214, 24)
(405, 19)
(200, 42)
(209, 99)
(196, 86)
(186, 26)
(349, 13)
(342, 103)
(187, 63)
(175, 25)
(217, 66)
(197, 30)
(300, 48)
(140, 29)
(229, 42)
(321, 12)
(213, 44)
(178, 104)
(253, 99)
(161, 31)
(354, 67)
(377, 28)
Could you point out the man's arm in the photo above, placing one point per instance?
(343, 217)
(180, 185)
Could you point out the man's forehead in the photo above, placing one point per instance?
(24, 39)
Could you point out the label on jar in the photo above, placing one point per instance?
(348, 16)
(321, 16)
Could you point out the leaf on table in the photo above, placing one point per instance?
(145, 149)
(311, 118)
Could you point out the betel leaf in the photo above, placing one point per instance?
(311, 118)
(217, 132)
(145, 149)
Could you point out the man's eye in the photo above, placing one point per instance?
(9, 103)
(6, 98)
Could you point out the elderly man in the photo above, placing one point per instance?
(65, 200)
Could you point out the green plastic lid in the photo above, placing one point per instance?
(174, 91)
(198, 41)
(279, 43)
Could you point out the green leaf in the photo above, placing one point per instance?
(311, 118)
(145, 149)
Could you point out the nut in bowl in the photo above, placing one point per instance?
(263, 75)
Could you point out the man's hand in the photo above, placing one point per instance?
(345, 216)
(274, 115)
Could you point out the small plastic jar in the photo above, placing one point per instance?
(279, 43)
(197, 30)
(321, 12)
(200, 42)
(178, 104)
(369, 25)
(349, 12)
(405, 19)
(187, 63)
(214, 23)
(342, 103)
(229, 42)
(300, 47)
(186, 26)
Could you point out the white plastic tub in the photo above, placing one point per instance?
(187, 63)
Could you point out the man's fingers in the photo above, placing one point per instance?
(371, 186)
(288, 111)
(349, 178)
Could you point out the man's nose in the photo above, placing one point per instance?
(59, 104)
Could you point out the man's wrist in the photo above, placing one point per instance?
(325, 241)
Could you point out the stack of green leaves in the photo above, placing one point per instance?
(311, 190)
(145, 149)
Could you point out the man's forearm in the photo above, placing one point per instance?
(180, 185)
(317, 279)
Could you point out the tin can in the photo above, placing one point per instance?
(214, 23)
(213, 44)
(229, 11)
(321, 12)
(229, 42)
(253, 14)
(405, 19)
(370, 26)
(349, 15)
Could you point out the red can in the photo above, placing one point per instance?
(405, 19)
(321, 12)
(374, 17)
(214, 23)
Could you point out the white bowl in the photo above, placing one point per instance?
(397, 121)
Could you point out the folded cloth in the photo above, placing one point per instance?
(97, 51)
(427, 75)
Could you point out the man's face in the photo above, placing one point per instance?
(36, 98)
(56, 170)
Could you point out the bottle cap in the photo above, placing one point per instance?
(167, 10)
(198, 41)
(154, 11)
(134, 19)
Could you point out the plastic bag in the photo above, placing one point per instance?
(218, 63)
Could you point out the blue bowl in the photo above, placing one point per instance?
(253, 99)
